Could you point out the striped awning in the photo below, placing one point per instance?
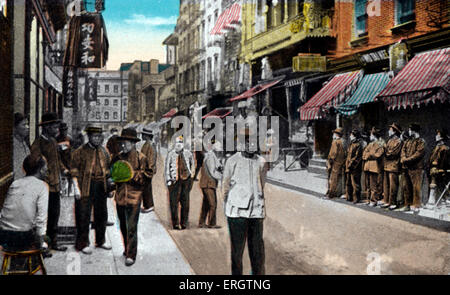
(229, 17)
(218, 113)
(424, 79)
(255, 90)
(331, 95)
(170, 113)
(367, 91)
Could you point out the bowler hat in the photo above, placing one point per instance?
(339, 131)
(147, 131)
(414, 127)
(129, 134)
(396, 128)
(91, 128)
(49, 118)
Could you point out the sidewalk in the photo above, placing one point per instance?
(316, 184)
(157, 252)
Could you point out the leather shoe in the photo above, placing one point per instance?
(182, 226)
(176, 227)
(59, 248)
(214, 226)
(110, 223)
(104, 246)
(87, 250)
(201, 226)
(143, 210)
(129, 262)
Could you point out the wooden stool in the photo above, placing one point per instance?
(28, 255)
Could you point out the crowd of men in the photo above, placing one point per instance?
(56, 164)
(381, 165)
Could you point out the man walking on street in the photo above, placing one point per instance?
(46, 146)
(412, 158)
(149, 151)
(21, 146)
(178, 172)
(243, 188)
(353, 167)
(211, 174)
(90, 170)
(392, 167)
(335, 163)
(129, 194)
(373, 157)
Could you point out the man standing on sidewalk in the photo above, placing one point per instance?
(335, 163)
(392, 167)
(178, 172)
(129, 193)
(149, 150)
(90, 171)
(440, 164)
(211, 174)
(45, 145)
(243, 187)
(353, 167)
(373, 157)
(412, 158)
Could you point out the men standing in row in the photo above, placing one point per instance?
(179, 172)
(21, 148)
(412, 157)
(149, 150)
(439, 166)
(90, 170)
(353, 167)
(129, 194)
(392, 167)
(373, 165)
(335, 163)
(46, 146)
(211, 174)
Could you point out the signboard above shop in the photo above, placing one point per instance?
(309, 63)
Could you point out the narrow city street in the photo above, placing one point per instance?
(307, 235)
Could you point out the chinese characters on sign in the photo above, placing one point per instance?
(88, 45)
(70, 86)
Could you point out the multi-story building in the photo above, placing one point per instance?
(104, 98)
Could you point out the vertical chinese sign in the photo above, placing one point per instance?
(70, 86)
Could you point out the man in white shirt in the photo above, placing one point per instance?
(243, 187)
(23, 219)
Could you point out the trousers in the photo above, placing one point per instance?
(249, 230)
(413, 187)
(390, 190)
(353, 185)
(129, 219)
(209, 206)
(147, 198)
(54, 209)
(179, 196)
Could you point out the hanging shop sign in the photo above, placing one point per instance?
(309, 63)
(398, 56)
(90, 89)
(70, 86)
(374, 56)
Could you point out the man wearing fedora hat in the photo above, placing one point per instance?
(353, 167)
(392, 167)
(90, 171)
(178, 173)
(129, 194)
(439, 165)
(45, 145)
(149, 150)
(373, 165)
(412, 157)
(335, 162)
(243, 189)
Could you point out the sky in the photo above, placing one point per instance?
(137, 28)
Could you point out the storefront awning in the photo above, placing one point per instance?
(255, 90)
(425, 78)
(367, 91)
(170, 113)
(332, 94)
(218, 113)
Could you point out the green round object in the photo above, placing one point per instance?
(121, 171)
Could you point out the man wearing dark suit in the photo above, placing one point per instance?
(335, 163)
(149, 150)
(45, 145)
(353, 166)
(439, 166)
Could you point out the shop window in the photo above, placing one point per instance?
(405, 11)
(361, 17)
